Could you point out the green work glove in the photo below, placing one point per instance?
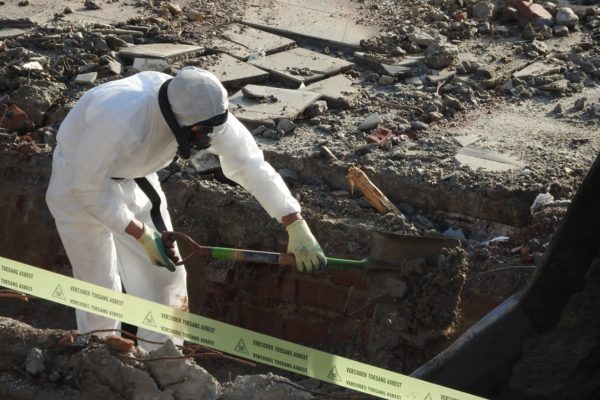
(152, 241)
(305, 248)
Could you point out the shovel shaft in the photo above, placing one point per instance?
(266, 257)
(254, 256)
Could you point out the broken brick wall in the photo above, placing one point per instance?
(336, 308)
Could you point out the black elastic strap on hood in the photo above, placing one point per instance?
(184, 146)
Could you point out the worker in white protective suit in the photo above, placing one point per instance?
(106, 198)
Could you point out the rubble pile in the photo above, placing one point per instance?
(63, 365)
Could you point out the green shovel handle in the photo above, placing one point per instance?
(254, 256)
(266, 257)
(341, 263)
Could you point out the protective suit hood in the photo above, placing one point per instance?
(196, 95)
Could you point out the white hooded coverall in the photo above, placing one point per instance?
(116, 130)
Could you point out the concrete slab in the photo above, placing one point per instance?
(537, 69)
(87, 78)
(441, 76)
(244, 42)
(8, 33)
(466, 139)
(231, 71)
(150, 64)
(338, 90)
(163, 51)
(203, 162)
(311, 20)
(301, 65)
(394, 69)
(475, 157)
(276, 103)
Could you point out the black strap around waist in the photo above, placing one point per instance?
(154, 198)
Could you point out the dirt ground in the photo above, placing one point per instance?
(544, 123)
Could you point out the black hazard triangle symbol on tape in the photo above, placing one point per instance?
(240, 347)
(428, 397)
(58, 293)
(334, 375)
(149, 320)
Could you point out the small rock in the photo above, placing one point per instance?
(434, 116)
(579, 104)
(441, 55)
(285, 126)
(315, 109)
(559, 109)
(174, 9)
(258, 130)
(35, 361)
(91, 5)
(84, 69)
(372, 121)
(398, 51)
(386, 80)
(538, 47)
(86, 78)
(452, 102)
(119, 344)
(419, 125)
(566, 16)
(271, 134)
(561, 30)
(483, 11)
(415, 81)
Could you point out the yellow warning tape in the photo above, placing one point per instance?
(220, 336)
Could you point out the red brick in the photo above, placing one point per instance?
(350, 278)
(267, 320)
(322, 295)
(530, 10)
(288, 289)
(357, 300)
(312, 314)
(15, 120)
(275, 285)
(307, 332)
(218, 298)
(313, 332)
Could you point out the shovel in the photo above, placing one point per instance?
(387, 250)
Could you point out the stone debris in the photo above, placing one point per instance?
(315, 23)
(265, 387)
(371, 122)
(338, 90)
(168, 51)
(531, 11)
(475, 158)
(87, 78)
(232, 72)
(390, 68)
(245, 43)
(289, 105)
(301, 65)
(150, 64)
